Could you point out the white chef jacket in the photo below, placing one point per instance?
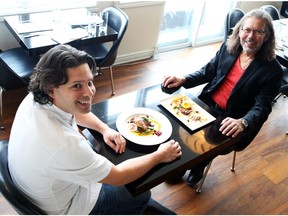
(51, 162)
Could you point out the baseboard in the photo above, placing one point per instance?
(132, 57)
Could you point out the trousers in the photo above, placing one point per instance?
(117, 200)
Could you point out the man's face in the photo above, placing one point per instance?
(252, 35)
(76, 95)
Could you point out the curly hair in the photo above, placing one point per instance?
(51, 70)
(267, 50)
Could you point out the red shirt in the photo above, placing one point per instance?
(222, 94)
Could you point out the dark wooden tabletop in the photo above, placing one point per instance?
(197, 146)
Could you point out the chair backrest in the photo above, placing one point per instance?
(284, 9)
(232, 18)
(8, 189)
(272, 10)
(117, 20)
(16, 67)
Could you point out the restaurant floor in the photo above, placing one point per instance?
(258, 186)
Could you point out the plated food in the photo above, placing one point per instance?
(187, 111)
(144, 126)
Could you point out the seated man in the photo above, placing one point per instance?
(52, 163)
(243, 79)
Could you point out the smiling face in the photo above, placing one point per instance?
(76, 95)
(252, 35)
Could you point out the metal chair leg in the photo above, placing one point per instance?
(233, 162)
(277, 97)
(1, 109)
(199, 189)
(111, 79)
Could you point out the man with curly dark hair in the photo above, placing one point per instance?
(52, 163)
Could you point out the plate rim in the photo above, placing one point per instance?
(133, 111)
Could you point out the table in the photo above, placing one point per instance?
(197, 145)
(38, 32)
(281, 34)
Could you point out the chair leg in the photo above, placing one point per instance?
(112, 80)
(199, 189)
(233, 162)
(278, 96)
(1, 109)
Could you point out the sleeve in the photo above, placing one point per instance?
(76, 162)
(260, 111)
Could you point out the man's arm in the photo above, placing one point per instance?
(134, 168)
(91, 121)
(110, 136)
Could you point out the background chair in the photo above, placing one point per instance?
(284, 9)
(232, 18)
(272, 10)
(16, 67)
(104, 55)
(10, 192)
(274, 13)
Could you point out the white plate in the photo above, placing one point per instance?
(205, 117)
(123, 127)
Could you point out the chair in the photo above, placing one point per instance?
(199, 188)
(283, 91)
(284, 9)
(104, 55)
(10, 192)
(232, 18)
(272, 10)
(16, 67)
(274, 13)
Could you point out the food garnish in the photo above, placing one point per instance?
(184, 106)
(144, 125)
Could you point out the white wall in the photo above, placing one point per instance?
(249, 5)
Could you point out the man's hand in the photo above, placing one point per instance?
(114, 139)
(169, 151)
(231, 127)
(172, 81)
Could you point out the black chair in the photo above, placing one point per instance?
(10, 192)
(274, 13)
(103, 54)
(232, 18)
(284, 9)
(272, 10)
(16, 67)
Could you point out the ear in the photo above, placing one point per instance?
(51, 92)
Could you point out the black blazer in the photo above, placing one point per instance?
(251, 97)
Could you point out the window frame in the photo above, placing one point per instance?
(35, 6)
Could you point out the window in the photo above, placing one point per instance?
(29, 6)
(192, 23)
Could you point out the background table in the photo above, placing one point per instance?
(36, 32)
(281, 34)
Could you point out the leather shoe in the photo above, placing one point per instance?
(194, 177)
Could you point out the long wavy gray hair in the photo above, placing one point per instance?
(267, 51)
